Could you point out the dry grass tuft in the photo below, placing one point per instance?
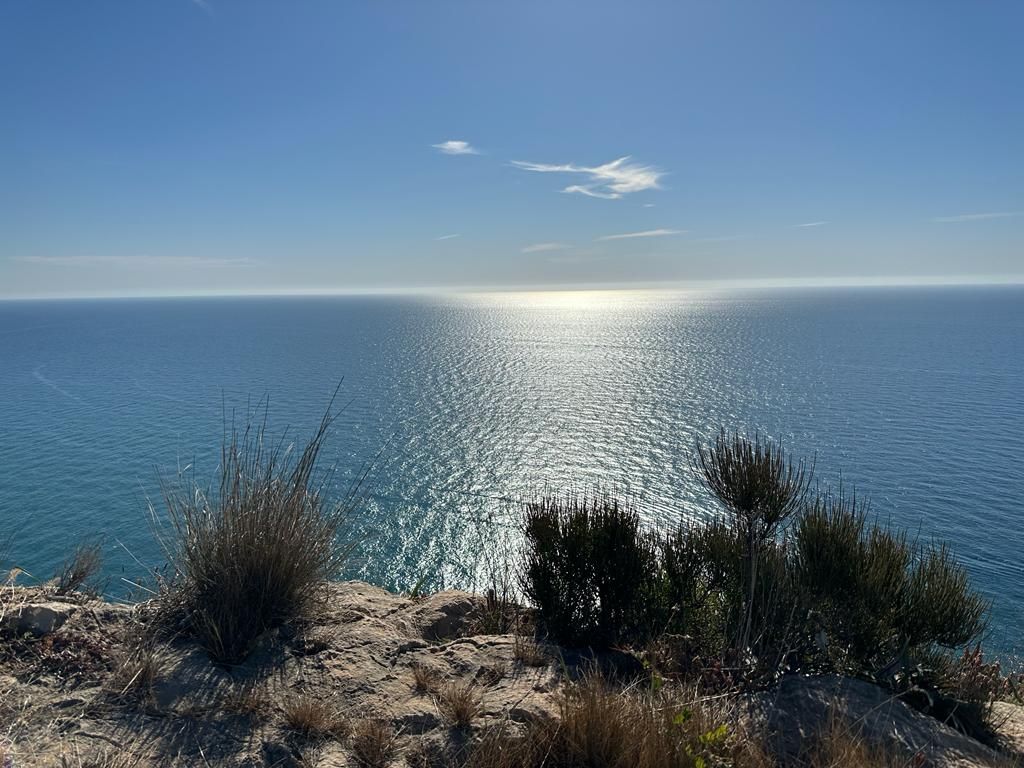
(249, 699)
(604, 726)
(840, 746)
(256, 554)
(529, 652)
(136, 673)
(373, 743)
(81, 571)
(459, 703)
(313, 718)
(425, 679)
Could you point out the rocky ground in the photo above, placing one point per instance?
(378, 678)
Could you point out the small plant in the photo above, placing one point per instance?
(313, 718)
(459, 703)
(373, 743)
(79, 572)
(256, 554)
(761, 488)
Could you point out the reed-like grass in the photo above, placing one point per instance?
(258, 552)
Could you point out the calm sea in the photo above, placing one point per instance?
(461, 405)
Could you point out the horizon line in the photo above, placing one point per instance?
(675, 286)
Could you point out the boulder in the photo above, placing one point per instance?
(800, 708)
(36, 619)
(445, 615)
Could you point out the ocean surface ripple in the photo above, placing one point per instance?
(463, 405)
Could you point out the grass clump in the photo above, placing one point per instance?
(257, 553)
(601, 725)
(459, 703)
(373, 743)
(314, 718)
(81, 570)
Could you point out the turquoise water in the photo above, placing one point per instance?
(465, 403)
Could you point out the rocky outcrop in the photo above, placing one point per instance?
(75, 681)
(362, 656)
(800, 707)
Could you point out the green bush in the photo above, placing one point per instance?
(877, 592)
(761, 489)
(779, 581)
(591, 570)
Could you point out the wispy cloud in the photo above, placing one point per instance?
(608, 182)
(454, 147)
(811, 224)
(538, 247)
(448, 237)
(979, 216)
(648, 205)
(132, 261)
(645, 233)
(204, 5)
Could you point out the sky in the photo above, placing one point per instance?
(173, 147)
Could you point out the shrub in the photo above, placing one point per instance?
(257, 553)
(875, 590)
(591, 570)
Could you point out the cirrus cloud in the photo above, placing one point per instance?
(978, 216)
(540, 247)
(645, 233)
(610, 181)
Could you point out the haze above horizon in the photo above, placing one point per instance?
(188, 147)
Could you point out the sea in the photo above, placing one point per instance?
(454, 410)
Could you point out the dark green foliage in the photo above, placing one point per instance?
(779, 582)
(761, 488)
(590, 570)
(877, 592)
(757, 483)
(942, 608)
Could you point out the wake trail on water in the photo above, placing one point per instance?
(38, 375)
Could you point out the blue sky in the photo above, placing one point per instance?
(179, 146)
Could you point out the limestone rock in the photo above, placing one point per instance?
(36, 619)
(445, 615)
(800, 708)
